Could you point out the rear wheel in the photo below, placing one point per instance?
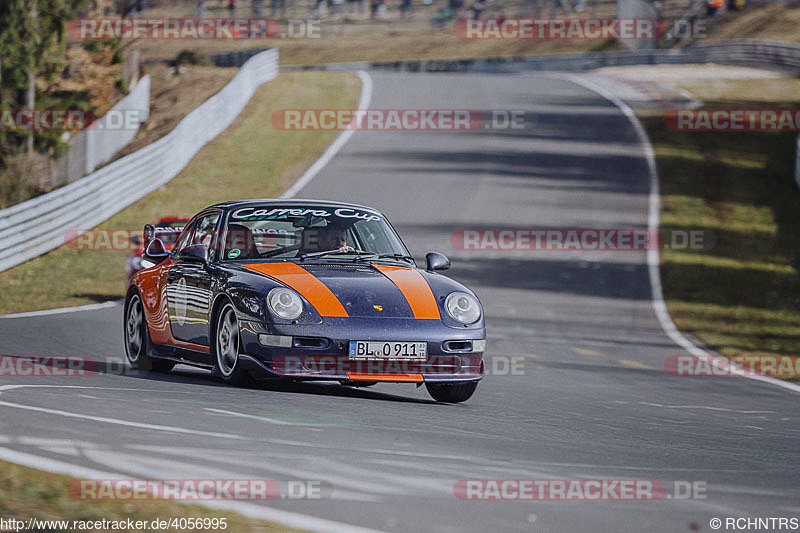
(226, 348)
(451, 392)
(137, 339)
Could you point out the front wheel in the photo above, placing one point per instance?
(226, 348)
(451, 392)
(137, 339)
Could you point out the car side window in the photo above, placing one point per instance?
(183, 240)
(204, 229)
(199, 231)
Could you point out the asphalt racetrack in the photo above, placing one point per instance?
(589, 397)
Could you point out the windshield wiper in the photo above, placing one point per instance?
(337, 251)
(399, 257)
(376, 255)
(360, 255)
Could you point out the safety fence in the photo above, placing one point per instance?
(92, 147)
(37, 226)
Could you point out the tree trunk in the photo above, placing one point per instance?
(30, 102)
(30, 96)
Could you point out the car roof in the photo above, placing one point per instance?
(289, 201)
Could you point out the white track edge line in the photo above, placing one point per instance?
(45, 312)
(653, 257)
(341, 140)
(286, 518)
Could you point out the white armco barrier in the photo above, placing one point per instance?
(92, 147)
(39, 225)
(797, 162)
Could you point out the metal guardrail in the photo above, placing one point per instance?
(92, 147)
(773, 54)
(39, 225)
(234, 59)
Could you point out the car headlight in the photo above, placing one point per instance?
(285, 303)
(463, 307)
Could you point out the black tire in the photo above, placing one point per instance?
(226, 346)
(137, 339)
(451, 392)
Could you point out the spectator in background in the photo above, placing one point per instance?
(231, 6)
(455, 7)
(477, 8)
(374, 6)
(713, 7)
(275, 6)
(357, 7)
(406, 8)
(563, 4)
(201, 8)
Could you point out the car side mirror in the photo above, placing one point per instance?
(154, 253)
(197, 253)
(436, 261)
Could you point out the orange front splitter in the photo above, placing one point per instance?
(396, 378)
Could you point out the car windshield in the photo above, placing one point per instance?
(307, 233)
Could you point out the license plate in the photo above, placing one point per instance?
(388, 350)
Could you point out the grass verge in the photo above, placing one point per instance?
(27, 493)
(743, 295)
(251, 159)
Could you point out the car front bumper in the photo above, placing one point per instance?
(321, 352)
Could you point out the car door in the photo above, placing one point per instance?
(189, 282)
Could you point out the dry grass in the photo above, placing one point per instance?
(173, 96)
(27, 493)
(772, 22)
(743, 296)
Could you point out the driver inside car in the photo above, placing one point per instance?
(326, 238)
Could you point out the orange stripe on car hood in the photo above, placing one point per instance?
(304, 282)
(415, 289)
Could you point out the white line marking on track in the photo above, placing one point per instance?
(12, 387)
(725, 409)
(60, 310)
(341, 140)
(116, 421)
(254, 417)
(654, 202)
(287, 518)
